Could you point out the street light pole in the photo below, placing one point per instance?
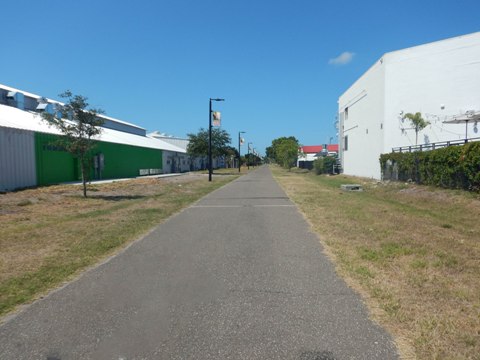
(239, 140)
(249, 160)
(210, 168)
(210, 141)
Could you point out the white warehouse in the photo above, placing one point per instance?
(441, 80)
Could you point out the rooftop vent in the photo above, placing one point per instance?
(45, 107)
(16, 99)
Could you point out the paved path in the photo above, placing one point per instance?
(236, 276)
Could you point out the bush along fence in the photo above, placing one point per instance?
(455, 167)
(325, 165)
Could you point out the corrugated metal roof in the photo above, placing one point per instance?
(12, 117)
(8, 88)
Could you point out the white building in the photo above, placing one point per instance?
(181, 161)
(307, 154)
(179, 142)
(441, 80)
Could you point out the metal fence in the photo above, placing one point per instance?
(433, 146)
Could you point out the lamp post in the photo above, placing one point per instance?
(239, 141)
(210, 138)
(248, 160)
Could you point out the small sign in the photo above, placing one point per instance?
(216, 118)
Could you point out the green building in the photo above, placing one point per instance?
(30, 156)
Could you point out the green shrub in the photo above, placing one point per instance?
(328, 164)
(450, 167)
(318, 166)
(470, 160)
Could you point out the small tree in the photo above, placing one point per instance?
(324, 165)
(198, 143)
(418, 123)
(78, 130)
(318, 166)
(231, 153)
(329, 163)
(286, 153)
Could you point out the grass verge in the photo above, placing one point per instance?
(413, 253)
(48, 235)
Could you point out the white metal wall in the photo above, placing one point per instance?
(17, 159)
(361, 110)
(181, 143)
(439, 80)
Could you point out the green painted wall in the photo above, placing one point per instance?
(126, 161)
(55, 165)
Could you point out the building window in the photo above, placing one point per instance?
(345, 143)
(346, 114)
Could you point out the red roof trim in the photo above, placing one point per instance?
(311, 149)
(315, 149)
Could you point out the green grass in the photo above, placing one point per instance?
(84, 231)
(412, 251)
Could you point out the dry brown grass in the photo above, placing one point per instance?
(49, 234)
(413, 253)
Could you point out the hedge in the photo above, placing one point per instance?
(325, 165)
(455, 167)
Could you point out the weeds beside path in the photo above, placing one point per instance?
(413, 252)
(48, 235)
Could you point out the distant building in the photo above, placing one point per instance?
(29, 156)
(309, 153)
(194, 163)
(441, 80)
(179, 142)
(176, 161)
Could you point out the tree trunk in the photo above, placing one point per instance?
(84, 178)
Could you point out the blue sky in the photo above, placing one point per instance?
(281, 65)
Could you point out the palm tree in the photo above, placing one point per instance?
(418, 123)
